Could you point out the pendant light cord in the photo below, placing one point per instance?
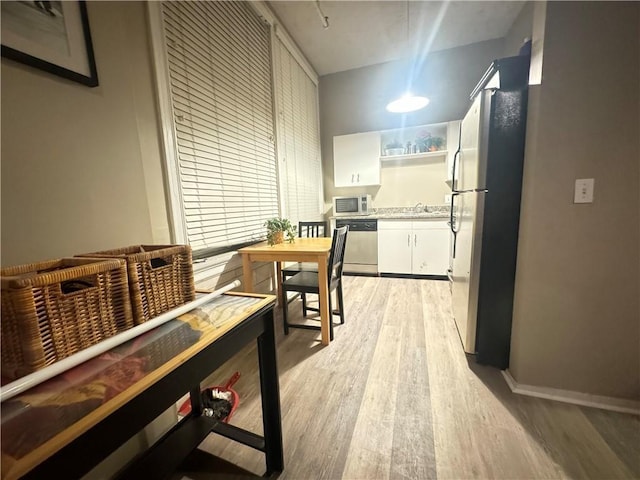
(408, 102)
(323, 17)
(407, 46)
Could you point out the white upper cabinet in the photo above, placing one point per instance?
(356, 159)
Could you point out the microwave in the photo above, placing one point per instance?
(352, 205)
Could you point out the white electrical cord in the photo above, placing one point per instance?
(29, 381)
(323, 17)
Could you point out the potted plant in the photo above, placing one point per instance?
(277, 228)
(436, 144)
(427, 143)
(394, 148)
(423, 141)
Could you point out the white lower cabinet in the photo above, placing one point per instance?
(394, 246)
(417, 247)
(430, 247)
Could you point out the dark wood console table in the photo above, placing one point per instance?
(67, 425)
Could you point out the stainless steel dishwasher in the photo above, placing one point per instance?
(361, 253)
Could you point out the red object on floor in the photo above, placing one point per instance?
(185, 408)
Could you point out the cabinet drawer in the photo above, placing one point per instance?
(394, 224)
(429, 224)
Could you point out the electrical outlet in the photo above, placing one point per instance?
(583, 192)
(447, 198)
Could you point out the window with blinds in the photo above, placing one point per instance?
(219, 63)
(296, 100)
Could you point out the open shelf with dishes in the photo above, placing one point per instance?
(411, 158)
(421, 142)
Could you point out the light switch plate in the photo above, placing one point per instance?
(583, 192)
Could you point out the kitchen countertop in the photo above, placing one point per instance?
(403, 213)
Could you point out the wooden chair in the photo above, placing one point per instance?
(307, 282)
(312, 229)
(306, 229)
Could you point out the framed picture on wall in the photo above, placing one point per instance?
(53, 36)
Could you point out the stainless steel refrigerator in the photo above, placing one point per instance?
(485, 210)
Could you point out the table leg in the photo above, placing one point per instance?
(278, 282)
(325, 314)
(270, 394)
(196, 401)
(247, 274)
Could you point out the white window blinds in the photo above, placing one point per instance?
(296, 97)
(218, 57)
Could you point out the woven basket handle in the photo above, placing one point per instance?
(98, 266)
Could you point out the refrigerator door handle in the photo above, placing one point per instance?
(452, 224)
(451, 210)
(456, 156)
(471, 190)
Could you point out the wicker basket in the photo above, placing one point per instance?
(53, 309)
(160, 277)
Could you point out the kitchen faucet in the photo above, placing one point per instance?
(418, 208)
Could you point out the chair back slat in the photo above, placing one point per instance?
(338, 244)
(312, 229)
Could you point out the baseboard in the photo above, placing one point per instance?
(394, 275)
(359, 274)
(416, 277)
(569, 396)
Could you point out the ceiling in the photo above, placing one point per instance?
(362, 33)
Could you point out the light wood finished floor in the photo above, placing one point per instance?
(394, 396)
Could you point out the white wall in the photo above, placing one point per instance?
(522, 28)
(81, 167)
(576, 322)
(406, 185)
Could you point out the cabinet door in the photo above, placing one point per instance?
(356, 159)
(394, 251)
(453, 140)
(431, 249)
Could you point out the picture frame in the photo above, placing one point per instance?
(53, 36)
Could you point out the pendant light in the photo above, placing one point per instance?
(408, 102)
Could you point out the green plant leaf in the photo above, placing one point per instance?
(278, 224)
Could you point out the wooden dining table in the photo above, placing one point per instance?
(316, 250)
